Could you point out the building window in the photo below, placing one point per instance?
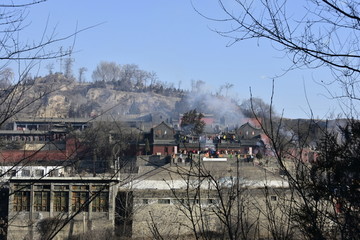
(101, 202)
(273, 198)
(80, 197)
(39, 172)
(158, 133)
(212, 201)
(61, 200)
(11, 173)
(99, 188)
(164, 201)
(61, 187)
(79, 201)
(54, 173)
(42, 201)
(181, 201)
(145, 201)
(21, 201)
(25, 173)
(80, 187)
(42, 187)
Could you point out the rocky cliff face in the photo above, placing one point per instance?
(62, 98)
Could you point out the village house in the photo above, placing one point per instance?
(163, 140)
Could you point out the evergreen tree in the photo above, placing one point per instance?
(191, 122)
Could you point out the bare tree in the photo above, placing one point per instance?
(13, 50)
(6, 78)
(106, 72)
(13, 21)
(322, 181)
(179, 84)
(153, 79)
(227, 86)
(311, 33)
(197, 85)
(20, 91)
(218, 203)
(50, 68)
(68, 67)
(256, 107)
(106, 141)
(128, 75)
(82, 70)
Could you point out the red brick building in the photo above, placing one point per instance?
(163, 141)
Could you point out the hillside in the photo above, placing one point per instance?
(58, 97)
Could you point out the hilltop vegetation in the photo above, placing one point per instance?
(64, 97)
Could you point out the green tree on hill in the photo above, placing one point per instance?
(191, 122)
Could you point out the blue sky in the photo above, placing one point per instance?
(171, 39)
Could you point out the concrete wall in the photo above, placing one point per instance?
(23, 227)
(165, 212)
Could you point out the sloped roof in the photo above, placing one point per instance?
(163, 124)
(250, 126)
